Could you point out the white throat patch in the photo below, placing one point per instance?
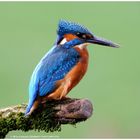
(82, 46)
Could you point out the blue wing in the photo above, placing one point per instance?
(52, 67)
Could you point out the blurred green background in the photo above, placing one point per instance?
(112, 83)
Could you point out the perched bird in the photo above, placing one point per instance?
(64, 65)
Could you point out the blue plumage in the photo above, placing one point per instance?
(52, 67)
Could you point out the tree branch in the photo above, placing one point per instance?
(48, 117)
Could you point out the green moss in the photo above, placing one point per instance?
(40, 120)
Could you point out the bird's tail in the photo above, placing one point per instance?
(30, 104)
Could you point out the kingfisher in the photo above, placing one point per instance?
(62, 68)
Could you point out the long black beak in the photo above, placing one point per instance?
(101, 41)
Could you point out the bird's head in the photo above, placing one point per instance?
(77, 34)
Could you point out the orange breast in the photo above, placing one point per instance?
(78, 71)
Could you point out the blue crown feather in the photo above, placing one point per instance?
(65, 27)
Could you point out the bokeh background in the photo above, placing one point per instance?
(112, 83)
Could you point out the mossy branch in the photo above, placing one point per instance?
(48, 117)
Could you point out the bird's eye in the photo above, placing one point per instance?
(84, 36)
(81, 35)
